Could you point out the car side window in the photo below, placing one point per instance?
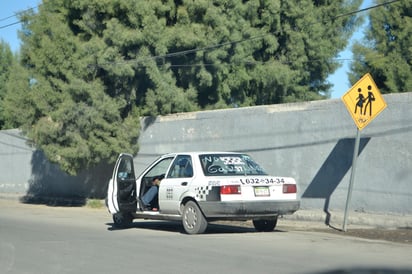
(125, 170)
(159, 169)
(182, 167)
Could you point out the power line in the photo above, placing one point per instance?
(365, 9)
(17, 13)
(336, 17)
(9, 25)
(11, 16)
(185, 52)
(14, 15)
(211, 47)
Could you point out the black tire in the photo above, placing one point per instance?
(265, 225)
(193, 220)
(122, 219)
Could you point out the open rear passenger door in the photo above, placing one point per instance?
(121, 192)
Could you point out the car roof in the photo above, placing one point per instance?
(201, 152)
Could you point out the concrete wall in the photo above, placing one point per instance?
(26, 171)
(312, 142)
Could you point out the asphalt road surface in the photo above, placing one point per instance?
(43, 239)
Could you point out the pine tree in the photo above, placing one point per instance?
(386, 52)
(6, 62)
(92, 67)
(70, 113)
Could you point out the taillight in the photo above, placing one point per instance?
(230, 189)
(289, 188)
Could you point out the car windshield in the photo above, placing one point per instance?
(229, 165)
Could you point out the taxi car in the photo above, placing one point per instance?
(200, 187)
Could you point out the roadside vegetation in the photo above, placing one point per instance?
(95, 203)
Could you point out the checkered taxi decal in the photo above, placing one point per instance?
(207, 193)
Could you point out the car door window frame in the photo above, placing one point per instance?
(159, 169)
(182, 167)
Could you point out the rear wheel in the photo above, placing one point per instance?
(193, 220)
(122, 219)
(265, 225)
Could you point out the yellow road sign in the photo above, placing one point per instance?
(364, 101)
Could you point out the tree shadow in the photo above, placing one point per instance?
(148, 121)
(49, 185)
(177, 227)
(331, 173)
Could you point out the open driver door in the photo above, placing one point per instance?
(121, 192)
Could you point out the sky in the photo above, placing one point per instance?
(8, 33)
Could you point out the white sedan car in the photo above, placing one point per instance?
(200, 187)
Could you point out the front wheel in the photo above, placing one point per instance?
(122, 219)
(265, 225)
(193, 220)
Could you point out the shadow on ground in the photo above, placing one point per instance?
(177, 227)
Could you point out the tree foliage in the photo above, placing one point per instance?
(386, 52)
(7, 60)
(69, 111)
(90, 68)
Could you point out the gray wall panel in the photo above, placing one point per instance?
(312, 142)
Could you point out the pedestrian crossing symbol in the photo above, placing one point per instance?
(364, 101)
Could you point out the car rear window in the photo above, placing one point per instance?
(229, 165)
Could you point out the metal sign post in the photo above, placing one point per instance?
(363, 102)
(352, 177)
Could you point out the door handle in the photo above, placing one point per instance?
(184, 184)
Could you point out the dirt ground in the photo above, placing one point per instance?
(399, 235)
(375, 226)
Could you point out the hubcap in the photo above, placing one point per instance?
(190, 217)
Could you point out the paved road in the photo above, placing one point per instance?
(41, 239)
